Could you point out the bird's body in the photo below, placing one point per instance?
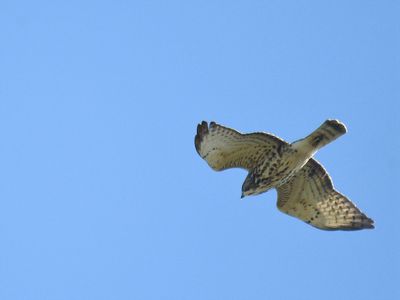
(304, 188)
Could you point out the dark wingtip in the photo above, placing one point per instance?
(363, 223)
(366, 223)
(337, 125)
(202, 130)
(369, 224)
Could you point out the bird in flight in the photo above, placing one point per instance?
(305, 189)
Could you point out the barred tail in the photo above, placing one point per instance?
(329, 131)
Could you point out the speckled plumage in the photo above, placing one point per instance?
(305, 189)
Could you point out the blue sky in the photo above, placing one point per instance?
(103, 195)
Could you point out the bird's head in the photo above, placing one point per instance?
(249, 186)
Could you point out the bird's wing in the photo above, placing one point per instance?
(225, 148)
(311, 197)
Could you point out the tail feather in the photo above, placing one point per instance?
(329, 131)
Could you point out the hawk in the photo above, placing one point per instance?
(305, 189)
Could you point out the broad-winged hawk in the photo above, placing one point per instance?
(305, 189)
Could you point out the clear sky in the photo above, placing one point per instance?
(102, 194)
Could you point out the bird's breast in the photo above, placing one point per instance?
(280, 170)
